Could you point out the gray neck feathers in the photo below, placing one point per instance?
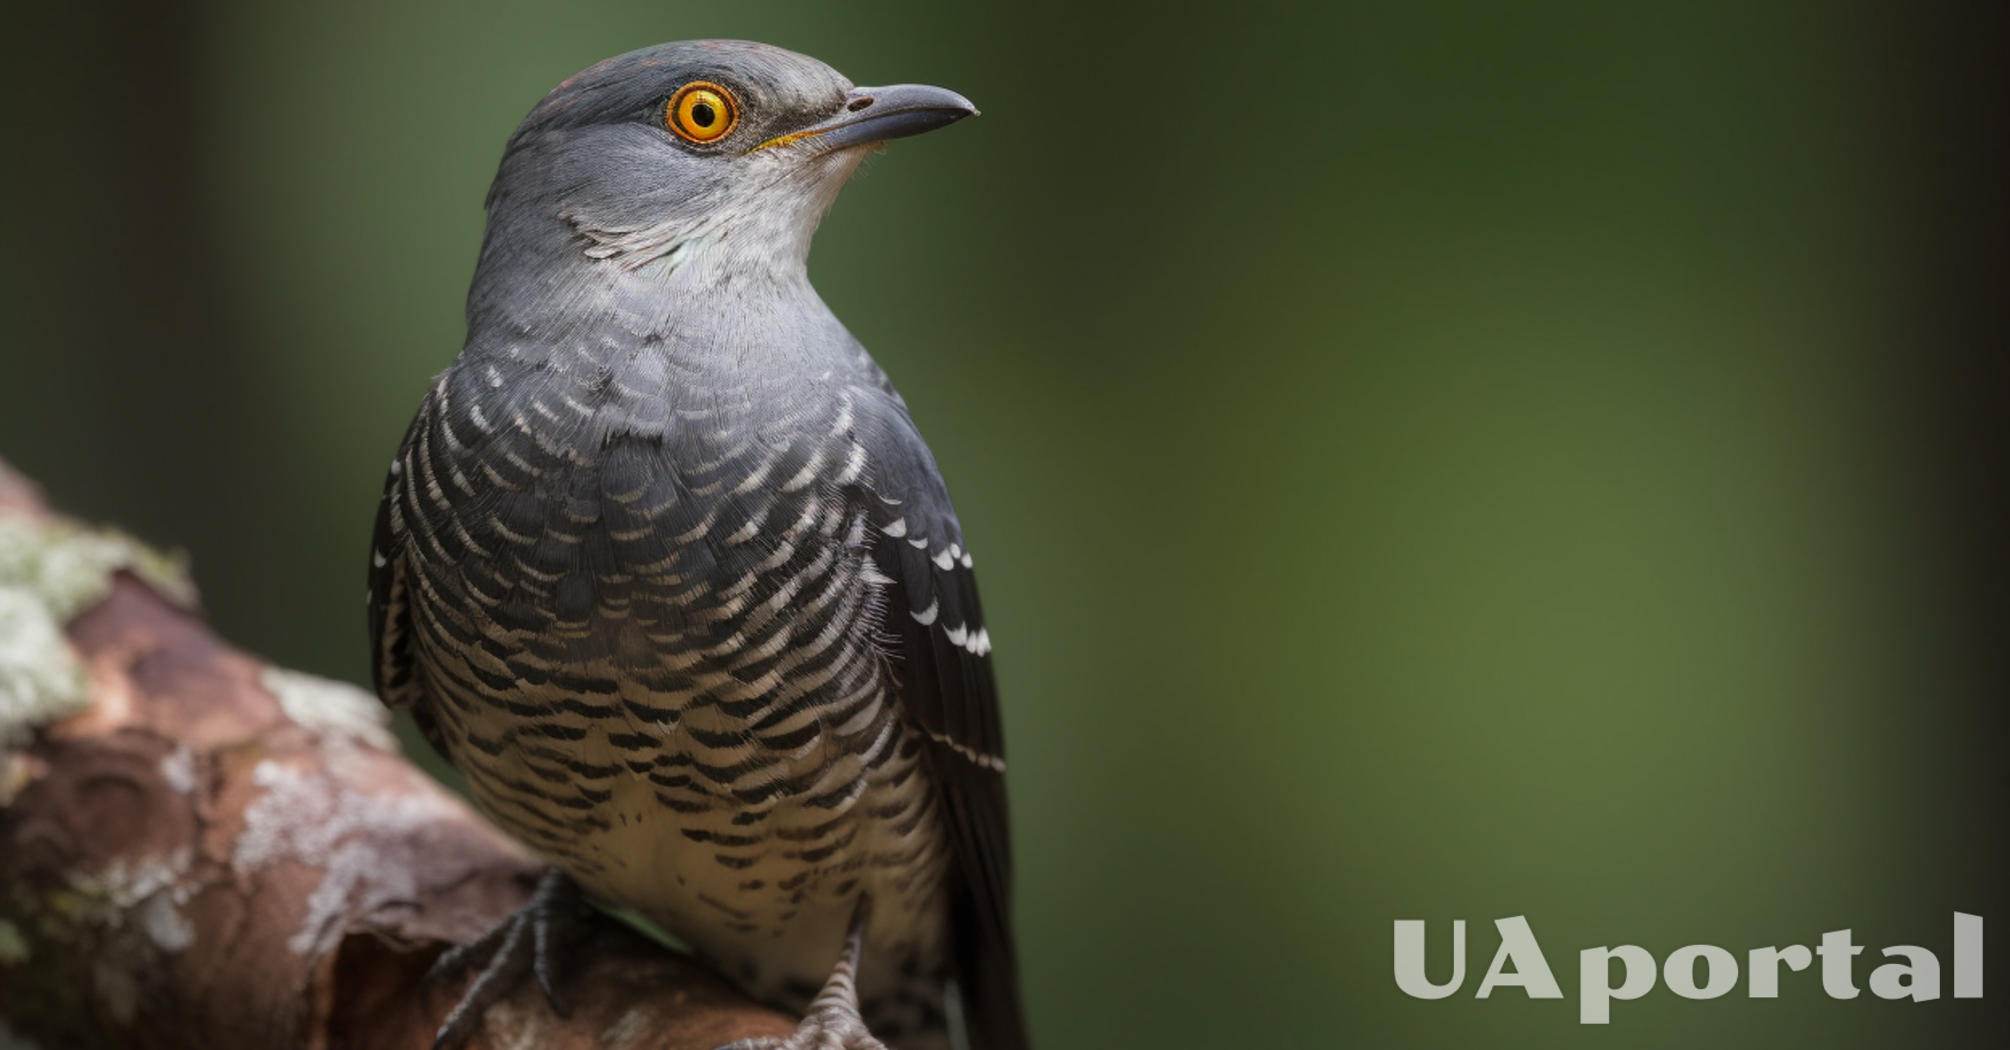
(653, 308)
(708, 266)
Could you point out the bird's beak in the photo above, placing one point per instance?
(873, 115)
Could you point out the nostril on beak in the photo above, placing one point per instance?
(859, 103)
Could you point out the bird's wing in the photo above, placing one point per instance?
(392, 669)
(942, 668)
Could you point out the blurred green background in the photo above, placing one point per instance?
(1424, 462)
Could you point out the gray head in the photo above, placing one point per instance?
(693, 165)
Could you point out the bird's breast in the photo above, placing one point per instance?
(654, 654)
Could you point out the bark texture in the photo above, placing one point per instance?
(200, 850)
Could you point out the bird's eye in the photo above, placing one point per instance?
(701, 112)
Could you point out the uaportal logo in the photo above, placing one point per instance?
(1914, 975)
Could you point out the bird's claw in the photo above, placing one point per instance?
(833, 1022)
(532, 940)
(821, 1030)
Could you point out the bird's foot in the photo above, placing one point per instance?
(833, 1021)
(819, 1031)
(533, 940)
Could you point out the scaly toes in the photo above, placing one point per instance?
(531, 941)
(823, 1029)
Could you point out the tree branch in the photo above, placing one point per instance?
(201, 850)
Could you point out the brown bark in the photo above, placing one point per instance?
(213, 853)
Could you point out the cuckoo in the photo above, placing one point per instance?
(665, 568)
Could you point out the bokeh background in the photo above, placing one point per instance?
(1424, 462)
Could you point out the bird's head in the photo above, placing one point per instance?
(717, 157)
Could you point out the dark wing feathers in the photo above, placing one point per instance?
(390, 641)
(392, 667)
(943, 671)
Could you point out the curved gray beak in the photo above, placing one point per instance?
(879, 114)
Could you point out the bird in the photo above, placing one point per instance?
(664, 567)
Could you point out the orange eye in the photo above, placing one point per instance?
(701, 112)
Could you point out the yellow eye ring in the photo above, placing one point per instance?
(701, 112)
